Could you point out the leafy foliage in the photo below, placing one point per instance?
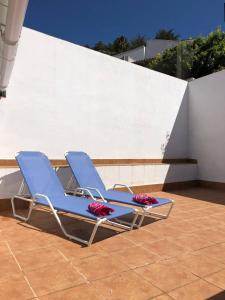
(137, 42)
(120, 44)
(192, 58)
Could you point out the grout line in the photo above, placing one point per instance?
(10, 250)
(59, 291)
(79, 272)
(32, 290)
(66, 259)
(17, 262)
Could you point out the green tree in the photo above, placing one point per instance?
(209, 54)
(137, 42)
(120, 44)
(192, 58)
(164, 62)
(100, 46)
(164, 34)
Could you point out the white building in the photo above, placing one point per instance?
(152, 48)
(63, 97)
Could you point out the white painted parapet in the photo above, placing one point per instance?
(66, 97)
(207, 125)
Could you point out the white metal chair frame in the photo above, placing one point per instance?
(145, 211)
(99, 221)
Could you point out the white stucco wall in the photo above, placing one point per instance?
(11, 178)
(155, 46)
(207, 125)
(66, 97)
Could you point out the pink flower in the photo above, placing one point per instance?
(100, 209)
(144, 199)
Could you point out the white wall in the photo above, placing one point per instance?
(154, 47)
(66, 97)
(207, 125)
(11, 179)
(133, 55)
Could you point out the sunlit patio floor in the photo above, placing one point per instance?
(182, 257)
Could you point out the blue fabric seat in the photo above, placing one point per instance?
(46, 189)
(87, 176)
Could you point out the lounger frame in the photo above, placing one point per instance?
(99, 221)
(145, 211)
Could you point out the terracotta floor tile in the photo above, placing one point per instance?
(38, 258)
(54, 278)
(136, 256)
(76, 253)
(162, 297)
(7, 221)
(126, 285)
(15, 289)
(139, 236)
(166, 277)
(206, 222)
(214, 236)
(116, 243)
(165, 231)
(97, 267)
(81, 292)
(192, 241)
(8, 266)
(83, 229)
(220, 217)
(186, 226)
(164, 248)
(201, 265)
(197, 290)
(216, 251)
(4, 248)
(168, 253)
(217, 279)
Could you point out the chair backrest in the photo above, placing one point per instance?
(84, 170)
(39, 174)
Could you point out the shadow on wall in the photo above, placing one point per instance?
(10, 184)
(176, 147)
(66, 178)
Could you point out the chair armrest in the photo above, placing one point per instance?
(98, 192)
(84, 191)
(36, 196)
(123, 185)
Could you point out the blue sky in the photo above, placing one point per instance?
(88, 21)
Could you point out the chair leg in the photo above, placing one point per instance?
(129, 225)
(144, 213)
(125, 225)
(164, 216)
(160, 216)
(95, 230)
(73, 237)
(31, 206)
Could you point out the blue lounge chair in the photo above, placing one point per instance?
(89, 180)
(46, 189)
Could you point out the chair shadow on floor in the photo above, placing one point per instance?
(42, 220)
(202, 194)
(220, 296)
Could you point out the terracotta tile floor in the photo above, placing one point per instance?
(182, 257)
